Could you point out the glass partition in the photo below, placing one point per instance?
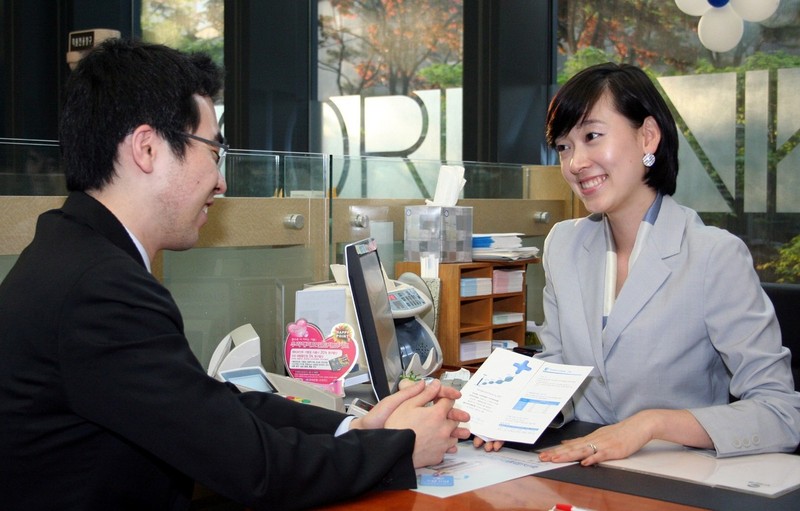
(263, 242)
(253, 255)
(370, 195)
(275, 174)
(403, 178)
(255, 280)
(220, 288)
(30, 167)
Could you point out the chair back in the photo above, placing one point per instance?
(786, 300)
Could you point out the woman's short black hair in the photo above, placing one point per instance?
(123, 84)
(635, 97)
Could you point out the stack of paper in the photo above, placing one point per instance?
(507, 281)
(471, 350)
(476, 286)
(504, 254)
(501, 318)
(504, 344)
(497, 240)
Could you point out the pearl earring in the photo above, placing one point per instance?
(649, 160)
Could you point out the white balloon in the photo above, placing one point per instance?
(755, 10)
(693, 7)
(720, 29)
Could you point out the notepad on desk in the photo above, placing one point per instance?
(769, 475)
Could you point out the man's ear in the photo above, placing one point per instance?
(651, 134)
(144, 146)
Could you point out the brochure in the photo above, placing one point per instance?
(469, 469)
(514, 397)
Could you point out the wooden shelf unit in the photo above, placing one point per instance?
(470, 318)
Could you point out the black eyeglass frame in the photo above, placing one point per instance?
(222, 147)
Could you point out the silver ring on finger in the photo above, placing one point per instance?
(593, 447)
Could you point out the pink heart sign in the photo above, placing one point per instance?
(323, 362)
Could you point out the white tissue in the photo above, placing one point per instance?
(448, 187)
(429, 265)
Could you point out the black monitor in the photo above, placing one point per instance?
(374, 316)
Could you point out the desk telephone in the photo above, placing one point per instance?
(407, 302)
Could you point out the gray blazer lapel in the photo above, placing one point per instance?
(649, 272)
(590, 268)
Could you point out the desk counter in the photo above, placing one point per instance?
(597, 488)
(531, 492)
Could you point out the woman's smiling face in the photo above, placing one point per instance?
(601, 159)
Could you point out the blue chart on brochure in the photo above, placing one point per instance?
(514, 397)
(511, 397)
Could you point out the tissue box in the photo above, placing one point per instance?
(442, 230)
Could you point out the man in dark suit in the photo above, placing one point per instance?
(102, 403)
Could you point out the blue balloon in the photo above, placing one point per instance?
(718, 3)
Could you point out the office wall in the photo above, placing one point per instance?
(30, 76)
(509, 74)
(33, 48)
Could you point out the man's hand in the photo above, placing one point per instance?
(493, 445)
(435, 426)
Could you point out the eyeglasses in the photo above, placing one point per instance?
(222, 148)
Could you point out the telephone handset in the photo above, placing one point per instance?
(414, 320)
(407, 302)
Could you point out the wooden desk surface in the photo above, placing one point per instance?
(528, 492)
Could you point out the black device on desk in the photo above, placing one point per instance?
(527, 350)
(420, 351)
(374, 316)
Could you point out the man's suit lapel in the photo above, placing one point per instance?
(88, 211)
(649, 272)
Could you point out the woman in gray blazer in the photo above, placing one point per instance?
(668, 311)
